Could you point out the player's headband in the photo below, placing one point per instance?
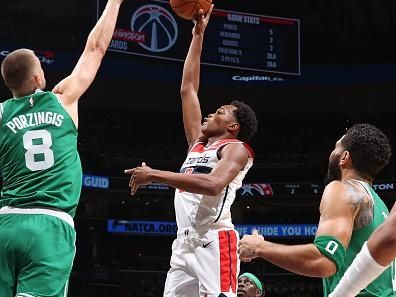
(254, 279)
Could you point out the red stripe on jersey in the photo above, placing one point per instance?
(250, 150)
(224, 262)
(198, 148)
(234, 261)
(221, 142)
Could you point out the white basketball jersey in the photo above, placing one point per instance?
(202, 212)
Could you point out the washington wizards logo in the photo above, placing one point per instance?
(158, 24)
(257, 190)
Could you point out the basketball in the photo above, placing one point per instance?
(186, 9)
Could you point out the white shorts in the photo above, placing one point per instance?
(205, 265)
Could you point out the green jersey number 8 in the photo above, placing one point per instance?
(39, 155)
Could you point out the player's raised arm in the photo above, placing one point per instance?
(72, 87)
(192, 116)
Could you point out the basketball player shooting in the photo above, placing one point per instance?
(41, 168)
(204, 258)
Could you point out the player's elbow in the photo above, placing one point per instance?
(101, 48)
(95, 45)
(392, 240)
(215, 191)
(386, 242)
(383, 242)
(186, 90)
(183, 91)
(210, 190)
(214, 188)
(387, 231)
(325, 268)
(327, 272)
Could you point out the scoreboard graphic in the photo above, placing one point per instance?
(232, 39)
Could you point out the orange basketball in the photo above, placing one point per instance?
(186, 9)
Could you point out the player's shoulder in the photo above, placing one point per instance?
(6, 100)
(236, 145)
(43, 93)
(201, 146)
(335, 190)
(224, 141)
(335, 185)
(343, 185)
(236, 151)
(343, 192)
(3, 105)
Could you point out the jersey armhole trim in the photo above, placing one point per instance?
(366, 187)
(61, 103)
(247, 147)
(59, 99)
(194, 146)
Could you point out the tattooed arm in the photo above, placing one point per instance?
(345, 207)
(343, 203)
(361, 202)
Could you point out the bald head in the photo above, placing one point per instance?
(22, 73)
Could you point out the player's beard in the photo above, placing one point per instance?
(333, 171)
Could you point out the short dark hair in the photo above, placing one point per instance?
(246, 119)
(369, 148)
(17, 67)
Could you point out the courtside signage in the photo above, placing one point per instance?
(303, 230)
(141, 227)
(96, 182)
(170, 228)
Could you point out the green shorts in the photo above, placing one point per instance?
(36, 255)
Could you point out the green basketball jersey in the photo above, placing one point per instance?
(383, 285)
(39, 161)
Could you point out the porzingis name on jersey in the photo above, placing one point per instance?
(34, 119)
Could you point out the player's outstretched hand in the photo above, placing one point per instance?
(139, 176)
(248, 246)
(201, 21)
